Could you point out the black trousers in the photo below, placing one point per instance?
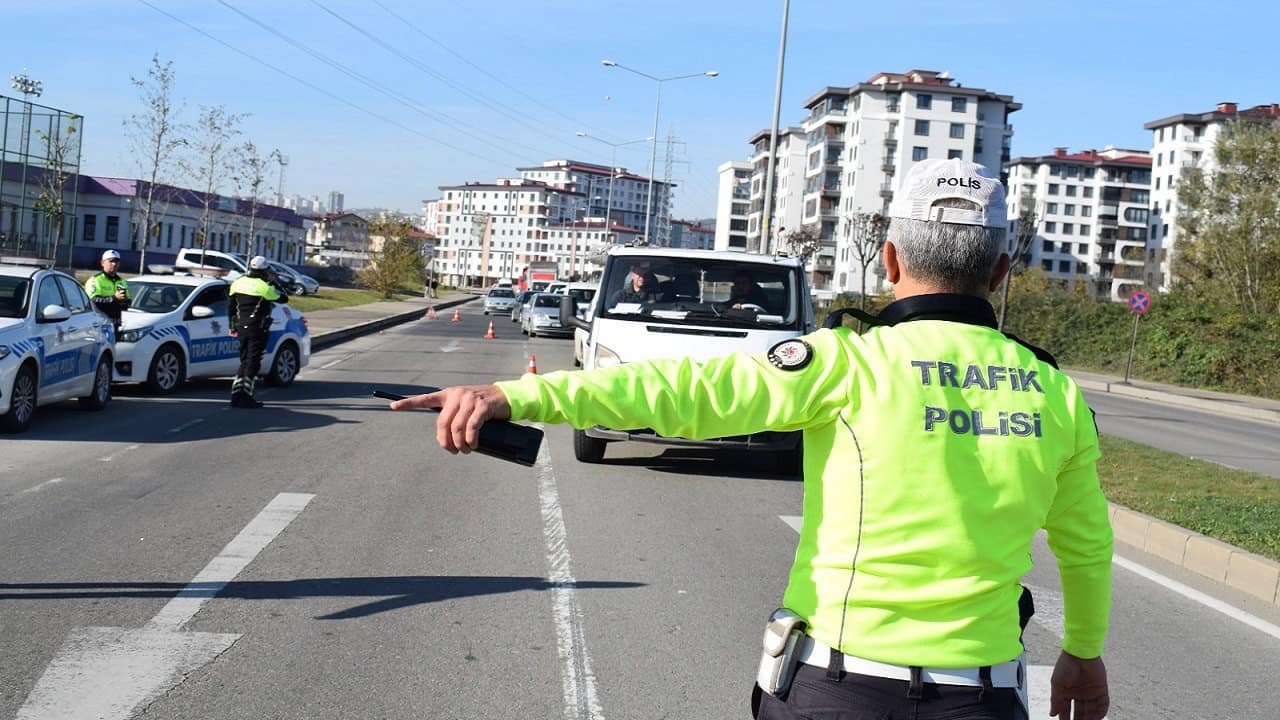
(252, 345)
(812, 696)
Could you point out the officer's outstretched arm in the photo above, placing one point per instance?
(802, 384)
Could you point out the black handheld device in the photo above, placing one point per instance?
(498, 438)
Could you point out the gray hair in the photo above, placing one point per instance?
(955, 258)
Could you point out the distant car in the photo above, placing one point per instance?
(54, 345)
(522, 301)
(542, 316)
(301, 284)
(176, 328)
(499, 300)
(555, 287)
(210, 262)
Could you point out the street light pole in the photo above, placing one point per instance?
(657, 107)
(613, 173)
(766, 243)
(28, 88)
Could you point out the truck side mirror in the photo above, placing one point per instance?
(569, 313)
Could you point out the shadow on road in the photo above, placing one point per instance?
(392, 592)
(717, 463)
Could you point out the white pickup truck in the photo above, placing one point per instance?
(689, 307)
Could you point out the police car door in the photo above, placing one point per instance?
(58, 349)
(211, 349)
(86, 333)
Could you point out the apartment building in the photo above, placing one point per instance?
(733, 198)
(339, 239)
(690, 235)
(1091, 211)
(489, 231)
(1184, 141)
(788, 180)
(630, 193)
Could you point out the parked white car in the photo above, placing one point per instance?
(213, 262)
(177, 328)
(54, 345)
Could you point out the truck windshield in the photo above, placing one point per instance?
(701, 291)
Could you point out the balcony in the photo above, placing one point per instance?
(890, 138)
(830, 190)
(888, 166)
(886, 190)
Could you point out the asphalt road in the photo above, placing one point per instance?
(323, 559)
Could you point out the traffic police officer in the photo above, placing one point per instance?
(937, 448)
(108, 291)
(249, 314)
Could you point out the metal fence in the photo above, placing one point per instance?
(39, 179)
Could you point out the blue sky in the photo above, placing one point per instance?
(1088, 74)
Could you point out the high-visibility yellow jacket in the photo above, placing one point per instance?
(934, 449)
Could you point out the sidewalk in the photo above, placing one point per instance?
(1218, 561)
(330, 327)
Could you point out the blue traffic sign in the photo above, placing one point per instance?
(1139, 302)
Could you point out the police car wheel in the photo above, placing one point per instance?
(166, 372)
(586, 448)
(284, 366)
(22, 402)
(100, 395)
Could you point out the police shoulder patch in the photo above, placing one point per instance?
(792, 354)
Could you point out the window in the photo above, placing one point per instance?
(1068, 229)
(919, 153)
(922, 127)
(77, 301)
(1047, 265)
(1084, 229)
(49, 294)
(1064, 266)
(1136, 215)
(1071, 191)
(924, 101)
(1051, 226)
(1051, 209)
(959, 104)
(955, 154)
(1087, 192)
(1081, 268)
(1053, 188)
(1139, 196)
(1157, 183)
(113, 230)
(1068, 209)
(90, 228)
(1082, 248)
(1047, 246)
(957, 130)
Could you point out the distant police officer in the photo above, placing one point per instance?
(936, 448)
(249, 313)
(108, 291)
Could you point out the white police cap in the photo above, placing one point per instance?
(258, 263)
(932, 180)
(110, 255)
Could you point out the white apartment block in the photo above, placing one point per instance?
(1185, 141)
(430, 216)
(733, 198)
(1091, 211)
(630, 193)
(489, 231)
(788, 181)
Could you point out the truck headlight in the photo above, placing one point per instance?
(133, 335)
(606, 357)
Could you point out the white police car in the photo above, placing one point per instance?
(54, 345)
(176, 328)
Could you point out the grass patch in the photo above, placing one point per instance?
(338, 297)
(1234, 506)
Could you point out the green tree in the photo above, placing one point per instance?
(399, 263)
(62, 149)
(1229, 250)
(156, 135)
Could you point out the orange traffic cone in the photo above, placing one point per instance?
(489, 335)
(430, 314)
(533, 364)
(457, 316)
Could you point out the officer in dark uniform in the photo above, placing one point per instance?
(108, 291)
(249, 314)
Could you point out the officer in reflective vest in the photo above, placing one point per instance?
(249, 314)
(936, 448)
(108, 291)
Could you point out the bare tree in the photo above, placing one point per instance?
(1024, 235)
(803, 243)
(212, 161)
(61, 144)
(156, 136)
(866, 232)
(251, 176)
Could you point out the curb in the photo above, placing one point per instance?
(1214, 406)
(1225, 564)
(337, 337)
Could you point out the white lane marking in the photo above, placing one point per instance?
(238, 553)
(111, 673)
(1193, 594)
(114, 455)
(186, 425)
(453, 346)
(581, 702)
(1037, 675)
(330, 364)
(43, 485)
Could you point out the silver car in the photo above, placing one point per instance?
(499, 300)
(542, 316)
(522, 303)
